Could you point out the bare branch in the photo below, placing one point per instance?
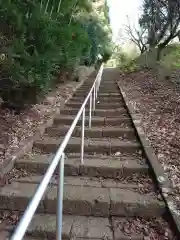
(137, 36)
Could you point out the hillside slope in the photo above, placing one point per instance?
(169, 64)
(155, 94)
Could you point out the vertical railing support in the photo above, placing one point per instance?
(96, 88)
(60, 191)
(82, 136)
(98, 84)
(94, 98)
(90, 110)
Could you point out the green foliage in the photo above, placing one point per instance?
(172, 60)
(125, 61)
(117, 57)
(161, 21)
(169, 63)
(129, 66)
(44, 36)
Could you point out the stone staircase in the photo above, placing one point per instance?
(111, 188)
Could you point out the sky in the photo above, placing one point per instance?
(119, 9)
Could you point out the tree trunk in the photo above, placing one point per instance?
(159, 52)
(179, 37)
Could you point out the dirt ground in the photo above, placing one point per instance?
(158, 103)
(14, 129)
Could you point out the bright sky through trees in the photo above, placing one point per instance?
(119, 9)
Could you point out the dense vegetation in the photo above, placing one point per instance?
(41, 38)
(161, 22)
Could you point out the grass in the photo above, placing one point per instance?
(170, 62)
(170, 58)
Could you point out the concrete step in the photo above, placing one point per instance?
(43, 227)
(102, 94)
(86, 86)
(94, 132)
(106, 92)
(96, 121)
(99, 105)
(5, 235)
(109, 97)
(86, 182)
(108, 87)
(109, 100)
(108, 83)
(98, 112)
(77, 99)
(84, 201)
(94, 166)
(80, 99)
(74, 227)
(81, 94)
(104, 146)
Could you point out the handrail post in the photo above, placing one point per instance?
(60, 190)
(99, 80)
(90, 110)
(94, 98)
(96, 87)
(82, 136)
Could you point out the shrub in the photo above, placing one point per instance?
(169, 63)
(130, 67)
(36, 42)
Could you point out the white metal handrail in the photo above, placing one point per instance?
(59, 159)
